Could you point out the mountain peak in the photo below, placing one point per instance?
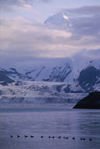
(59, 19)
(65, 17)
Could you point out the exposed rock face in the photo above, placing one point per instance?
(92, 101)
(88, 78)
(43, 73)
(4, 79)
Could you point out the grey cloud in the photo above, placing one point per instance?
(5, 8)
(9, 5)
(22, 39)
(25, 39)
(86, 10)
(10, 2)
(85, 20)
(89, 26)
(20, 2)
(44, 0)
(94, 53)
(14, 2)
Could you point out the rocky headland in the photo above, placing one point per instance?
(92, 101)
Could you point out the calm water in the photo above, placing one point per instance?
(49, 121)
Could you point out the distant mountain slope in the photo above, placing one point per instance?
(54, 71)
(89, 77)
(60, 20)
(65, 83)
(4, 79)
(79, 77)
(59, 74)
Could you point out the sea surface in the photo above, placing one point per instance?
(49, 120)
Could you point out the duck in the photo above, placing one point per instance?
(41, 136)
(18, 136)
(73, 138)
(49, 137)
(32, 136)
(81, 138)
(11, 136)
(26, 136)
(53, 137)
(59, 137)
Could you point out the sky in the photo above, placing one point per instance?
(73, 29)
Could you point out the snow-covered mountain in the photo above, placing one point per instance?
(62, 81)
(59, 20)
(4, 79)
(38, 92)
(45, 92)
(52, 70)
(54, 74)
(59, 70)
(51, 80)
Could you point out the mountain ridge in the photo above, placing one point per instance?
(87, 77)
(65, 86)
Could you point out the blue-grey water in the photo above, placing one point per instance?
(49, 120)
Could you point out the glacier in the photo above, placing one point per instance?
(37, 92)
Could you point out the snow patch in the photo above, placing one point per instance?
(65, 17)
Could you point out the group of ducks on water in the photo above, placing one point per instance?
(51, 137)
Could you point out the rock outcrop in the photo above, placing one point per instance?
(92, 101)
(4, 79)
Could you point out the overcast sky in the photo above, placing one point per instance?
(23, 34)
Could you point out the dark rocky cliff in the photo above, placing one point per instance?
(92, 101)
(4, 79)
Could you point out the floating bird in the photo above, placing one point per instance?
(90, 139)
(11, 136)
(73, 138)
(59, 137)
(26, 136)
(53, 137)
(18, 136)
(81, 138)
(66, 137)
(41, 136)
(32, 136)
(49, 137)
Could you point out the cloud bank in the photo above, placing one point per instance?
(11, 5)
(24, 39)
